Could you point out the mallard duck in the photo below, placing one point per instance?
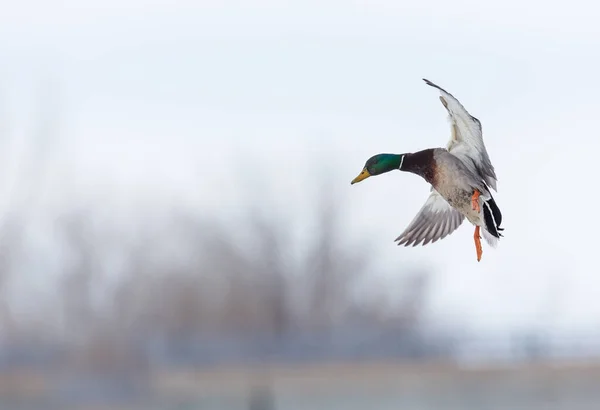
(460, 175)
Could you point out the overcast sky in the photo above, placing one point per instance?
(173, 100)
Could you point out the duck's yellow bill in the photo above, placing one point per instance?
(364, 174)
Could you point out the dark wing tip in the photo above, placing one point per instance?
(430, 83)
(436, 86)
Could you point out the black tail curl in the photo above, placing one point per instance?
(492, 217)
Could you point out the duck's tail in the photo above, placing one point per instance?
(492, 218)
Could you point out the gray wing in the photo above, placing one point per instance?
(466, 140)
(436, 220)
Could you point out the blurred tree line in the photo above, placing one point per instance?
(190, 291)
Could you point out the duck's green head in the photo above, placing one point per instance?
(379, 164)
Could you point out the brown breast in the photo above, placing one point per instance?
(421, 163)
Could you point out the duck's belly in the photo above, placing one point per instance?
(460, 200)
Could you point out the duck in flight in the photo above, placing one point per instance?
(461, 178)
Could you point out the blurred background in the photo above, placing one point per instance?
(178, 229)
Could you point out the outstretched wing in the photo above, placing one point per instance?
(466, 140)
(436, 220)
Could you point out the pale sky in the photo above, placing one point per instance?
(173, 100)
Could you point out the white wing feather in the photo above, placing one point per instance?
(466, 140)
(435, 220)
